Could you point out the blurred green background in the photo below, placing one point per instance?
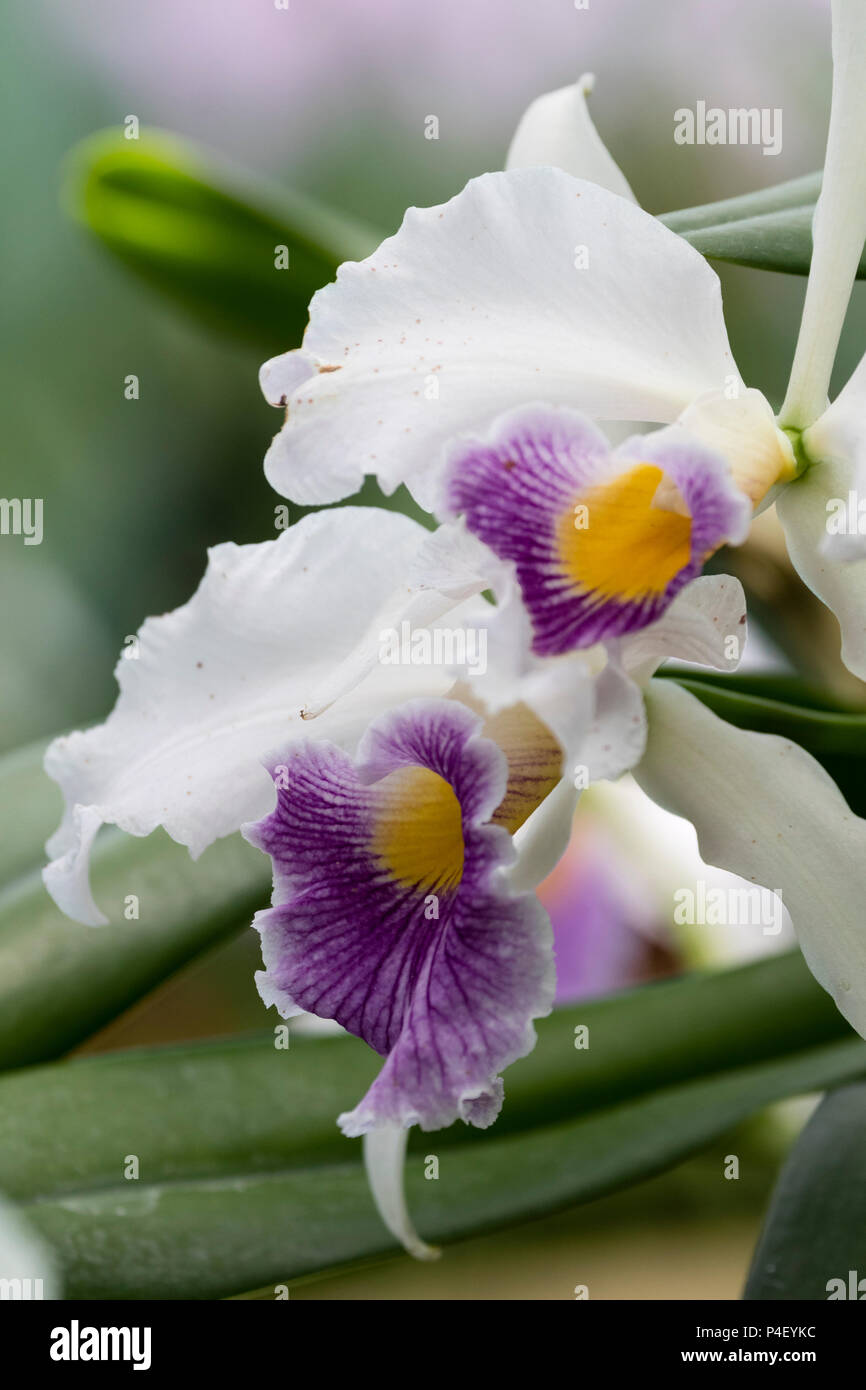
(330, 97)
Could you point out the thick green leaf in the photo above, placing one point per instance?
(795, 193)
(60, 982)
(815, 1230)
(783, 686)
(30, 808)
(768, 230)
(201, 1110)
(244, 1178)
(836, 738)
(208, 236)
(777, 241)
(214, 1237)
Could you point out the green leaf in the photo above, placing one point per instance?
(30, 809)
(771, 685)
(211, 1237)
(206, 236)
(59, 981)
(816, 1225)
(794, 193)
(62, 1125)
(244, 1178)
(768, 230)
(836, 738)
(777, 241)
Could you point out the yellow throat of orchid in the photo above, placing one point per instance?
(631, 545)
(419, 831)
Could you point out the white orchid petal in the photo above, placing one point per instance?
(221, 681)
(529, 285)
(67, 878)
(25, 1256)
(450, 566)
(385, 1162)
(589, 702)
(601, 727)
(839, 438)
(279, 376)
(543, 839)
(742, 428)
(560, 691)
(698, 627)
(557, 130)
(839, 225)
(766, 810)
(803, 512)
(617, 735)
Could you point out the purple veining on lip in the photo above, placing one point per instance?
(515, 486)
(447, 1001)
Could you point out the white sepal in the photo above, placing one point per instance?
(528, 285)
(557, 129)
(766, 810)
(216, 685)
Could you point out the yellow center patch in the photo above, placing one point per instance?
(419, 831)
(623, 546)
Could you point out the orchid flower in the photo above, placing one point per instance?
(275, 661)
(411, 810)
(474, 357)
(213, 686)
(534, 285)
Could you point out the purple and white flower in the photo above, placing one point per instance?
(602, 541)
(393, 914)
(234, 672)
(537, 285)
(414, 813)
(410, 812)
(529, 285)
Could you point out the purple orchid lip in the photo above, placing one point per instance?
(602, 541)
(391, 913)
